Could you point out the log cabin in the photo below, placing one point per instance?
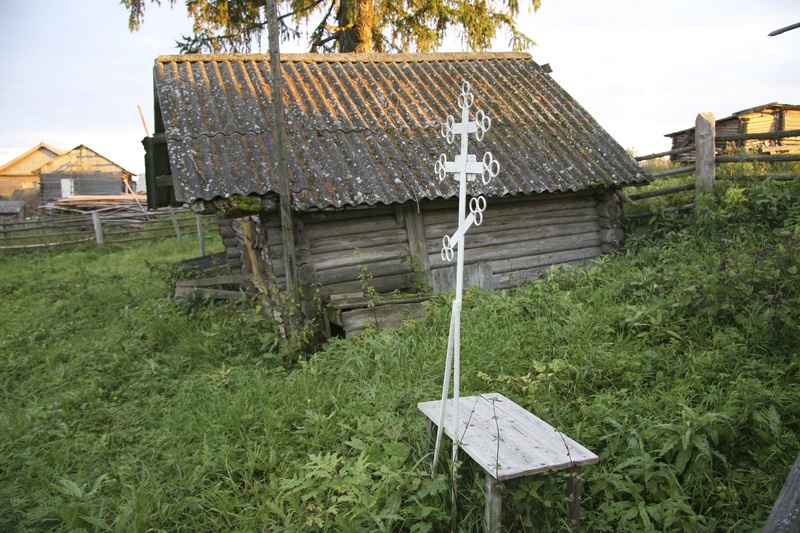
(767, 118)
(363, 132)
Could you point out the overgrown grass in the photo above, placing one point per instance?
(732, 178)
(675, 361)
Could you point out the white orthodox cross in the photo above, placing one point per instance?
(466, 168)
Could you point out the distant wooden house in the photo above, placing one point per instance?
(21, 173)
(767, 118)
(82, 171)
(363, 135)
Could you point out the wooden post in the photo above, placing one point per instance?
(287, 224)
(252, 257)
(785, 515)
(98, 227)
(574, 492)
(705, 153)
(175, 223)
(201, 238)
(494, 505)
(417, 241)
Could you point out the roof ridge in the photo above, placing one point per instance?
(349, 58)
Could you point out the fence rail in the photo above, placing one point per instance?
(104, 228)
(705, 176)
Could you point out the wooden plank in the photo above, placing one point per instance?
(348, 243)
(357, 300)
(748, 158)
(663, 154)
(384, 284)
(351, 212)
(532, 208)
(250, 254)
(207, 282)
(183, 292)
(475, 275)
(672, 172)
(521, 249)
(705, 169)
(513, 236)
(494, 506)
(381, 316)
(760, 136)
(359, 256)
(519, 223)
(352, 271)
(547, 259)
(663, 192)
(335, 227)
(417, 241)
(785, 515)
(506, 440)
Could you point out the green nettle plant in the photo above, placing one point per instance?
(675, 360)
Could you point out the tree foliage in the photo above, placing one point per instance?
(347, 25)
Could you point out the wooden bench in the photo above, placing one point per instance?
(509, 442)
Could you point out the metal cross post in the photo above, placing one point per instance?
(465, 168)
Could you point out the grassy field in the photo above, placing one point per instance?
(676, 361)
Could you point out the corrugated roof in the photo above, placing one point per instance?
(365, 128)
(11, 207)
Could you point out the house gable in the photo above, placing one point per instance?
(21, 173)
(82, 171)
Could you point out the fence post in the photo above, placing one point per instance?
(98, 227)
(175, 223)
(201, 238)
(705, 165)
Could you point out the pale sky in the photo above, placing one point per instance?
(73, 74)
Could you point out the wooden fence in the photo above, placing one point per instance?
(104, 228)
(706, 161)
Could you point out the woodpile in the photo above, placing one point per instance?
(135, 202)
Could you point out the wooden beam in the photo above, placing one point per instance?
(764, 135)
(663, 192)
(672, 172)
(677, 151)
(417, 241)
(705, 168)
(748, 158)
(287, 223)
(785, 515)
(249, 252)
(494, 505)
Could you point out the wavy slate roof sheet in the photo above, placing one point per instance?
(365, 128)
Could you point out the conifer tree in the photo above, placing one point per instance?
(347, 25)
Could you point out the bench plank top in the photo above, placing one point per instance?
(506, 440)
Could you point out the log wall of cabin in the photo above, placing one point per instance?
(347, 251)
(791, 121)
(518, 240)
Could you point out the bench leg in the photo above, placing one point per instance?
(431, 435)
(574, 493)
(494, 505)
